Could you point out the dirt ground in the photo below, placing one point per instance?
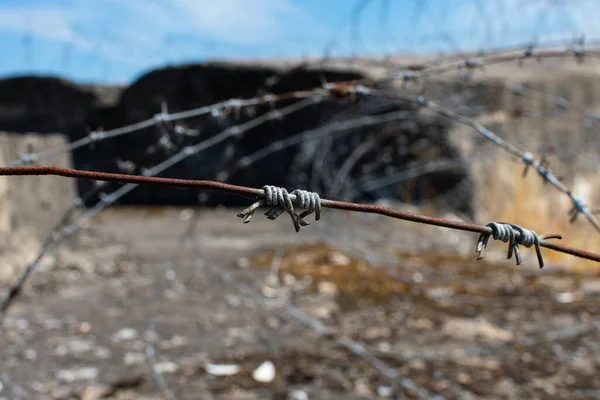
(194, 293)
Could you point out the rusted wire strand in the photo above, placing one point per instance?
(259, 193)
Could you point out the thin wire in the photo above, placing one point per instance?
(323, 330)
(55, 237)
(98, 136)
(578, 205)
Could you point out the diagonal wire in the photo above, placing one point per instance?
(55, 237)
(323, 330)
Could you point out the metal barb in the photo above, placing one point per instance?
(515, 235)
(282, 201)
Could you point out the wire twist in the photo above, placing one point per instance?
(515, 235)
(309, 201)
(282, 201)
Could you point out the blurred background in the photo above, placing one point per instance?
(151, 293)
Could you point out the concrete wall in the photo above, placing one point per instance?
(33, 202)
(534, 123)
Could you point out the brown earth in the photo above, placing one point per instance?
(456, 327)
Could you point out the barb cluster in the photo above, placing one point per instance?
(515, 235)
(281, 201)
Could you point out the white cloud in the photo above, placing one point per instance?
(124, 28)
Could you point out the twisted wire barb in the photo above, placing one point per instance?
(281, 201)
(515, 235)
(260, 193)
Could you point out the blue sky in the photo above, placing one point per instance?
(117, 40)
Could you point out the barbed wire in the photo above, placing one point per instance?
(414, 72)
(217, 109)
(337, 90)
(578, 205)
(332, 90)
(341, 90)
(514, 235)
(517, 234)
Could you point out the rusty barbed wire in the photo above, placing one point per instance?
(261, 194)
(336, 91)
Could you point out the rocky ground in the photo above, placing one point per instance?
(194, 295)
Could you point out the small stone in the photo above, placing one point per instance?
(568, 297)
(269, 292)
(178, 340)
(243, 262)
(471, 329)
(83, 327)
(385, 391)
(52, 324)
(338, 259)
(77, 346)
(298, 395)
(125, 334)
(30, 354)
(166, 367)
(222, 369)
(289, 279)
(265, 373)
(384, 347)
(102, 352)
(22, 324)
(94, 392)
(60, 350)
(133, 358)
(327, 288)
(463, 378)
(362, 388)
